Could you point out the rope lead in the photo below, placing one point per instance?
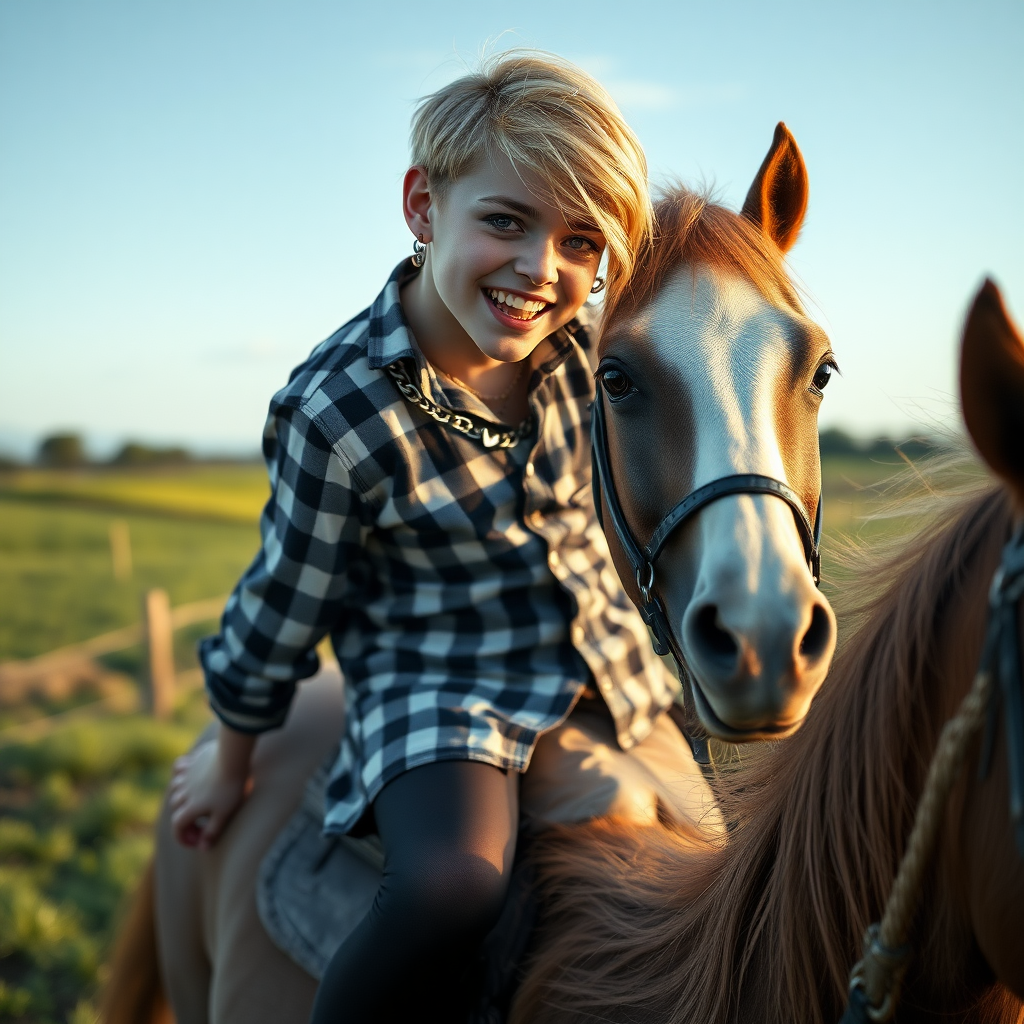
(876, 978)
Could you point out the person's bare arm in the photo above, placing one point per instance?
(208, 785)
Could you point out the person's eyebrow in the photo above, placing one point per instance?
(513, 204)
(585, 226)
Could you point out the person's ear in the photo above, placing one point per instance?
(417, 202)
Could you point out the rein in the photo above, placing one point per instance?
(876, 978)
(642, 558)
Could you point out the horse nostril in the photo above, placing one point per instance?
(816, 640)
(716, 641)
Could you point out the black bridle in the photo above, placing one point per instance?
(642, 559)
(1001, 655)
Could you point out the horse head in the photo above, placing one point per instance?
(992, 398)
(710, 379)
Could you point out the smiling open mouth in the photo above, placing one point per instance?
(515, 306)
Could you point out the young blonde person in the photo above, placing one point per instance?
(431, 511)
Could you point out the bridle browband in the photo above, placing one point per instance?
(642, 559)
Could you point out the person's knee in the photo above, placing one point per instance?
(455, 894)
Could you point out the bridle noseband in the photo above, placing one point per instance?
(642, 559)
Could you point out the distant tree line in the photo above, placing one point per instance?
(67, 451)
(834, 442)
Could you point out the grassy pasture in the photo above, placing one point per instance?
(76, 813)
(214, 492)
(191, 532)
(77, 801)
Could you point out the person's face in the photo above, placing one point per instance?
(501, 258)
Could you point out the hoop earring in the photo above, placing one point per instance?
(419, 251)
(598, 285)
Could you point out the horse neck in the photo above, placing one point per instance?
(655, 927)
(837, 800)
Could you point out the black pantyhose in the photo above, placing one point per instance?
(448, 831)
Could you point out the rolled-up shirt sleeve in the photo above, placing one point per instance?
(313, 531)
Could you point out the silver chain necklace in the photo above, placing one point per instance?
(490, 435)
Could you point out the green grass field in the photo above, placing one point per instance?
(77, 801)
(76, 813)
(191, 532)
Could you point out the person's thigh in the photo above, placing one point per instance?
(467, 808)
(448, 830)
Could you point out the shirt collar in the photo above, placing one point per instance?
(390, 338)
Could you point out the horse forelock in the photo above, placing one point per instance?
(711, 317)
(691, 230)
(644, 928)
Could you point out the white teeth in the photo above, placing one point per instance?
(517, 302)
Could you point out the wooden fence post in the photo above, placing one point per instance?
(121, 549)
(156, 614)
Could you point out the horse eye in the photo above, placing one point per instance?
(616, 383)
(823, 376)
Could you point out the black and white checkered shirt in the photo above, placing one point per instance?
(468, 592)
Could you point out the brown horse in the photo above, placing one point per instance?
(726, 381)
(644, 926)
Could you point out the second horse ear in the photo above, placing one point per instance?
(992, 386)
(777, 200)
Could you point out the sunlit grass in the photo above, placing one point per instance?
(232, 493)
(76, 814)
(57, 582)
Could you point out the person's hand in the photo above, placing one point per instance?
(207, 788)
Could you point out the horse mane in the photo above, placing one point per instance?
(653, 924)
(692, 230)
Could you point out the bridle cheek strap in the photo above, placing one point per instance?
(642, 559)
(1001, 656)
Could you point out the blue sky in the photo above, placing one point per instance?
(192, 195)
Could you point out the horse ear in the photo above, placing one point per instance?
(992, 386)
(777, 200)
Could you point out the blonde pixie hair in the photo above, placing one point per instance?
(548, 117)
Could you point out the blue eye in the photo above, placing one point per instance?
(501, 222)
(581, 244)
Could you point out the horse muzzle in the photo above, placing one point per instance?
(756, 660)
